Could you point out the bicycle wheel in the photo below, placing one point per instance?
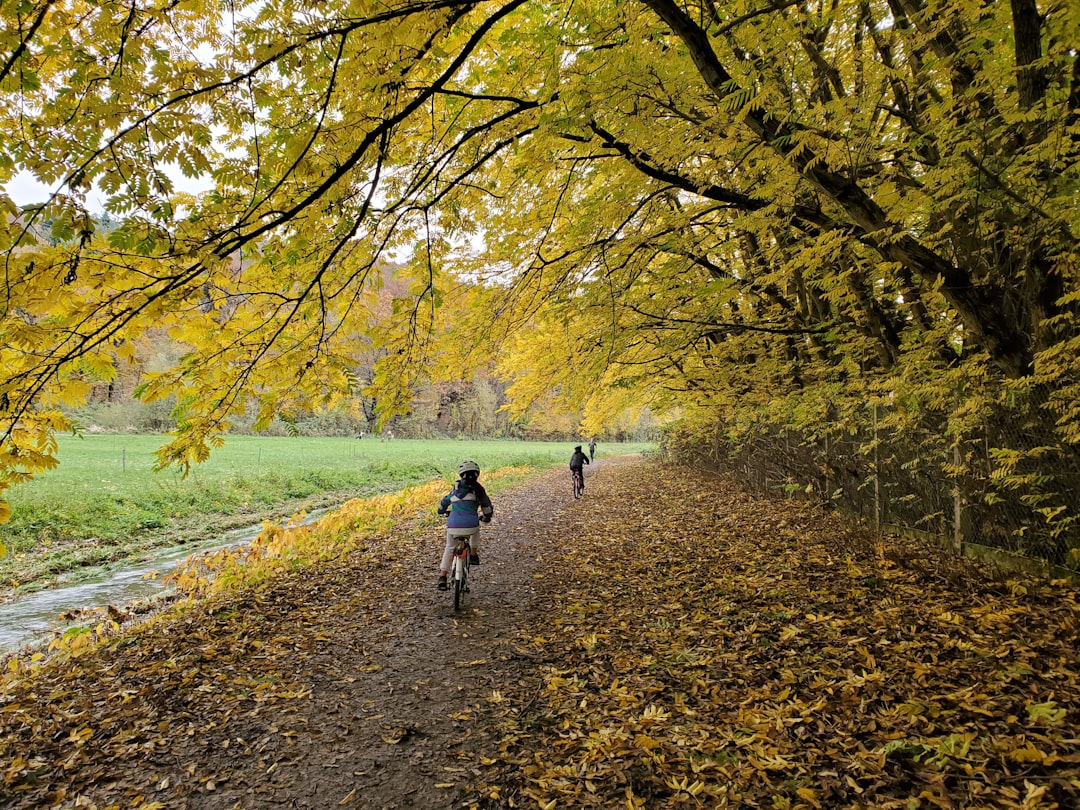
(578, 487)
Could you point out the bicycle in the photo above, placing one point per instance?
(459, 571)
(578, 481)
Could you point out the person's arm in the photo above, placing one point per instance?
(444, 504)
(486, 509)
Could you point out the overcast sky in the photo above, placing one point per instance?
(25, 190)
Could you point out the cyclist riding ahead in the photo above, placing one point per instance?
(467, 505)
(577, 460)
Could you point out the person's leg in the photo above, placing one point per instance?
(447, 557)
(474, 544)
(448, 552)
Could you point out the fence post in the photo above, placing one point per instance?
(958, 536)
(828, 484)
(877, 475)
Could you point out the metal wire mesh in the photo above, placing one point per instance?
(1009, 486)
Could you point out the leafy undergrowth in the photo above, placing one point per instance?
(706, 649)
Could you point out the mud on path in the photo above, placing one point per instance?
(343, 685)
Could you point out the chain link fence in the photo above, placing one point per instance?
(1008, 490)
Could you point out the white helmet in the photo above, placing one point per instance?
(468, 467)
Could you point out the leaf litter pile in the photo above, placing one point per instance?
(667, 641)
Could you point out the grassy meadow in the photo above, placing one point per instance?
(104, 502)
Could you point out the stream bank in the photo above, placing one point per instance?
(130, 587)
(62, 564)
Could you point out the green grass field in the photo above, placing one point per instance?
(105, 501)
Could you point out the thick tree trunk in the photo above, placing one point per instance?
(1030, 83)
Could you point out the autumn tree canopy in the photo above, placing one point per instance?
(747, 210)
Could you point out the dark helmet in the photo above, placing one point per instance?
(577, 447)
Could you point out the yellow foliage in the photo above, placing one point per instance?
(761, 244)
(346, 529)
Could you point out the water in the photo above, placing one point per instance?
(32, 615)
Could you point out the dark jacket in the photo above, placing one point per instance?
(578, 459)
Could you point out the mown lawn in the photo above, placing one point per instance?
(105, 501)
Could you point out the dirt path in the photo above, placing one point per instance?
(341, 686)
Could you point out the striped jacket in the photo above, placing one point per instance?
(466, 502)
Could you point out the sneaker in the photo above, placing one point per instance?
(474, 559)
(442, 586)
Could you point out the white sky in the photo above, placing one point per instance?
(24, 189)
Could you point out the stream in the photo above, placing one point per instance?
(32, 615)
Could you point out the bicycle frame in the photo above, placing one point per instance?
(459, 571)
(577, 478)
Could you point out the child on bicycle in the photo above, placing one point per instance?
(467, 505)
(577, 460)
